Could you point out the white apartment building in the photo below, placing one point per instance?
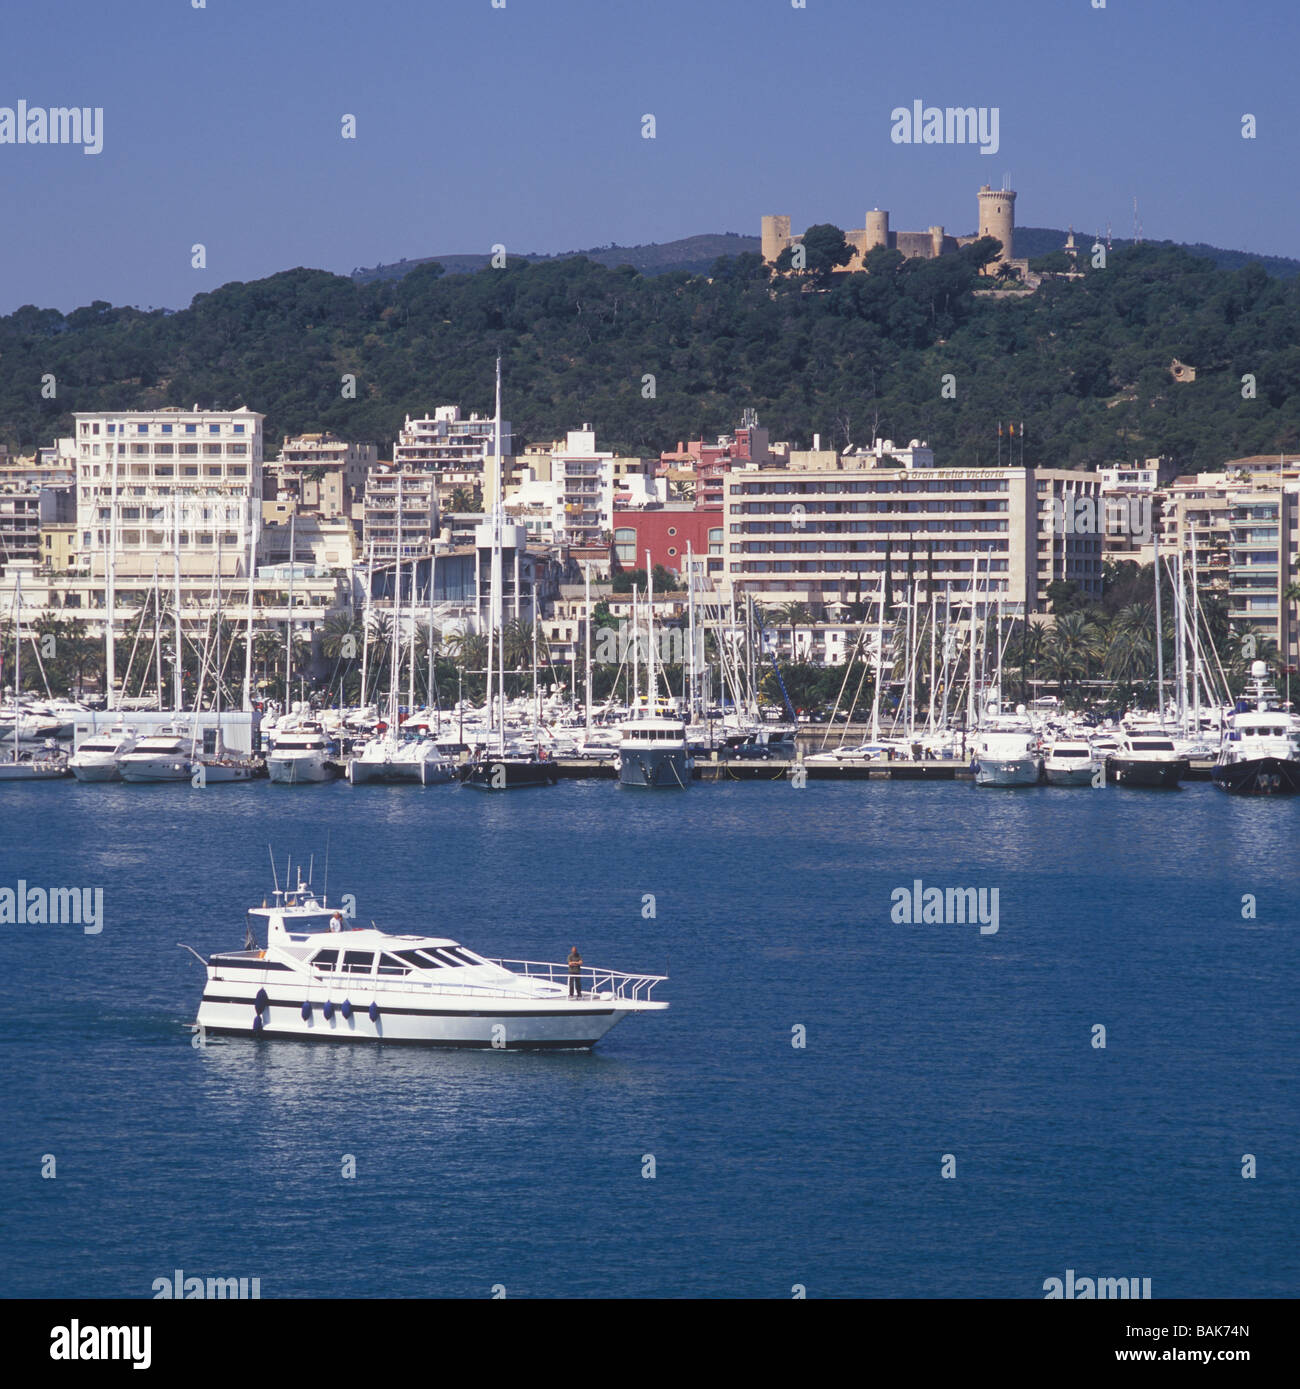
(583, 506)
(824, 536)
(154, 483)
(445, 440)
(399, 503)
(322, 472)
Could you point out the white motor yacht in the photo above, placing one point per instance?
(1007, 750)
(1147, 759)
(1071, 762)
(96, 757)
(320, 978)
(654, 753)
(1261, 752)
(161, 756)
(300, 754)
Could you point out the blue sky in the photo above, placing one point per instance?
(522, 126)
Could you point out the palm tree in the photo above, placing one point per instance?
(1071, 648)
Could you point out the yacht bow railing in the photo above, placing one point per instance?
(634, 987)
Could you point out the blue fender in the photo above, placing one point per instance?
(306, 1009)
(328, 1010)
(374, 1012)
(346, 1009)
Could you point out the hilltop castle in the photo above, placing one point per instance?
(997, 217)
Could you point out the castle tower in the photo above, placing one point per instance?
(998, 218)
(936, 242)
(776, 237)
(877, 229)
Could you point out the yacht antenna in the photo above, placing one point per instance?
(324, 897)
(274, 876)
(311, 868)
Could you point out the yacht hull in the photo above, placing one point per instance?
(656, 768)
(96, 771)
(27, 771)
(219, 773)
(165, 768)
(1134, 771)
(421, 773)
(1069, 776)
(1258, 776)
(230, 1007)
(506, 774)
(293, 771)
(1019, 771)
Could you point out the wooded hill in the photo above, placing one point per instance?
(1084, 363)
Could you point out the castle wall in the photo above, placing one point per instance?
(996, 218)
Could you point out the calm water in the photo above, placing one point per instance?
(774, 1165)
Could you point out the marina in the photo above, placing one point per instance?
(759, 904)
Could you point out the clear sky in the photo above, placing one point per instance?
(523, 125)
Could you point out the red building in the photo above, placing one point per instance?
(667, 532)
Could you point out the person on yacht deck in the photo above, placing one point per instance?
(575, 973)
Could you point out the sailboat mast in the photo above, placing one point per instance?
(690, 633)
(880, 662)
(1160, 637)
(157, 636)
(586, 583)
(18, 658)
(365, 622)
(248, 634)
(178, 666)
(288, 626)
(651, 686)
(635, 628)
(498, 604)
(433, 683)
(394, 663)
(110, 597)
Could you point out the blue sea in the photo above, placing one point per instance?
(927, 1047)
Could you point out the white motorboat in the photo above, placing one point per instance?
(654, 753)
(1261, 752)
(1147, 759)
(300, 754)
(96, 757)
(27, 723)
(161, 756)
(1071, 762)
(319, 978)
(1007, 749)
